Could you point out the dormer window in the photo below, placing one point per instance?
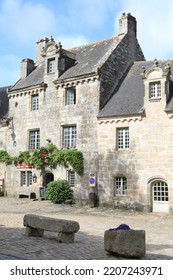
(51, 65)
(155, 90)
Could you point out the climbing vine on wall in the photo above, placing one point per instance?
(47, 156)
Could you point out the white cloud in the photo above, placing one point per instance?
(71, 41)
(154, 22)
(25, 21)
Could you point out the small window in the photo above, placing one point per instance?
(34, 102)
(69, 137)
(51, 65)
(71, 179)
(34, 139)
(26, 178)
(70, 96)
(123, 138)
(120, 186)
(155, 90)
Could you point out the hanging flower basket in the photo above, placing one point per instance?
(43, 155)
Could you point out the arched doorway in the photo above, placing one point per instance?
(48, 177)
(160, 196)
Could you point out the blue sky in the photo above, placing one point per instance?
(77, 22)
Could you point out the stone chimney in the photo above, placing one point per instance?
(127, 24)
(27, 66)
(40, 45)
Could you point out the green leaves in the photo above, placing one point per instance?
(58, 191)
(5, 157)
(66, 158)
(49, 156)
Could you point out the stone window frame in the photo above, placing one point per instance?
(120, 185)
(26, 178)
(122, 138)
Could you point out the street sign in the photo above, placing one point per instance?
(92, 180)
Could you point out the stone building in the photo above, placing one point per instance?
(57, 99)
(105, 100)
(136, 140)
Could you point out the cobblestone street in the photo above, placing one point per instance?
(88, 243)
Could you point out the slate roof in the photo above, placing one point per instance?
(88, 58)
(33, 79)
(128, 100)
(4, 103)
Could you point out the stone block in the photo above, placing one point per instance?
(34, 232)
(50, 224)
(36, 225)
(127, 243)
(65, 237)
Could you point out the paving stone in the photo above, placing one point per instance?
(89, 240)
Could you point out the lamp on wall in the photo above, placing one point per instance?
(34, 178)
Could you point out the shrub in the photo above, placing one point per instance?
(58, 191)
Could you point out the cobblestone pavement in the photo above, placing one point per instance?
(88, 245)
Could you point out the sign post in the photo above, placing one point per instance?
(92, 191)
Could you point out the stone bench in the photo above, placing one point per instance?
(36, 225)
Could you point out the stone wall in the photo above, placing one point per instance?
(52, 115)
(148, 159)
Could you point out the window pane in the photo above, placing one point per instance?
(34, 139)
(34, 102)
(71, 179)
(69, 137)
(155, 90)
(29, 178)
(23, 178)
(51, 65)
(120, 186)
(123, 138)
(70, 96)
(26, 178)
(160, 190)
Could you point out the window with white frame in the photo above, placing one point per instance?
(70, 96)
(123, 138)
(69, 137)
(34, 102)
(26, 178)
(34, 139)
(120, 186)
(155, 90)
(71, 178)
(51, 65)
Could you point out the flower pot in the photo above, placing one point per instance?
(127, 243)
